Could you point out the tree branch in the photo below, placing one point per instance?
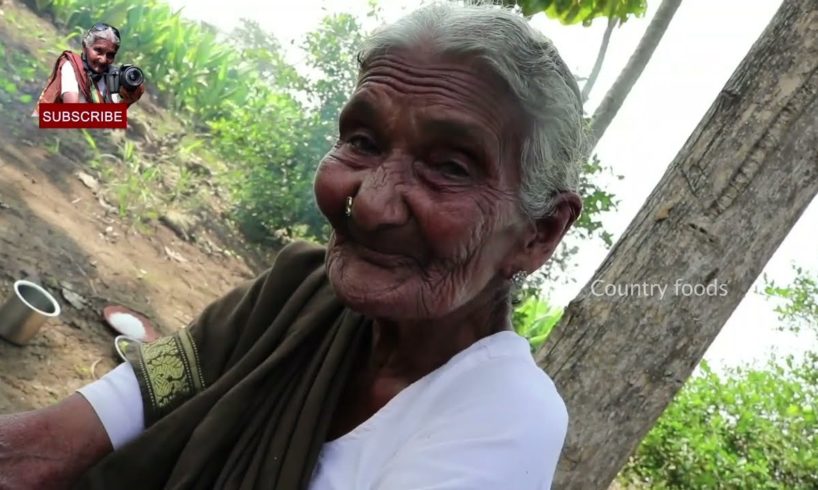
(616, 95)
(603, 48)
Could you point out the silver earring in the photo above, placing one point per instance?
(518, 279)
(348, 207)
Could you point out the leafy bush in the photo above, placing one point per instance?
(276, 139)
(751, 428)
(534, 319)
(798, 308)
(270, 185)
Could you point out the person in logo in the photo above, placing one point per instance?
(83, 78)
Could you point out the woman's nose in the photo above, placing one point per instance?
(379, 202)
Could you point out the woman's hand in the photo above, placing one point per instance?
(51, 448)
(129, 97)
(25, 455)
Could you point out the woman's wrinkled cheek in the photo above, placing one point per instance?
(461, 232)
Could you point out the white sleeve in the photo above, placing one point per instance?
(118, 403)
(468, 450)
(68, 79)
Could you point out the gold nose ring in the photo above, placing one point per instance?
(348, 207)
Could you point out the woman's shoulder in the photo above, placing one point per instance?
(68, 55)
(498, 379)
(490, 419)
(66, 62)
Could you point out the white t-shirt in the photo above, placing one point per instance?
(68, 83)
(488, 419)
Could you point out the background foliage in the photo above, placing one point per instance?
(751, 427)
(535, 318)
(575, 11)
(748, 428)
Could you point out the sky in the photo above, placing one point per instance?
(702, 47)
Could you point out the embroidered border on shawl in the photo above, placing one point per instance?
(168, 373)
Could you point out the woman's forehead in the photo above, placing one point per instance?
(433, 75)
(448, 93)
(105, 44)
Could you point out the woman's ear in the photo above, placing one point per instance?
(551, 229)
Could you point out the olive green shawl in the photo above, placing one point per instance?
(243, 397)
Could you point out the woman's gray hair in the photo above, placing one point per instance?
(556, 145)
(93, 36)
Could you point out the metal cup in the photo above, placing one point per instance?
(22, 315)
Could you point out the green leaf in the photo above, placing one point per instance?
(570, 12)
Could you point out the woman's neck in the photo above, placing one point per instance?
(415, 348)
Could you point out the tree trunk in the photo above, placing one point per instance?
(616, 95)
(600, 57)
(724, 205)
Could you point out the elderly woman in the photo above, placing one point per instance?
(385, 360)
(80, 77)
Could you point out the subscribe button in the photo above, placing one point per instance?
(89, 116)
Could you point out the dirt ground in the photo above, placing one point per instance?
(53, 230)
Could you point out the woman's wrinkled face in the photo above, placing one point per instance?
(101, 54)
(429, 150)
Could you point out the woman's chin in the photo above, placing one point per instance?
(369, 297)
(375, 297)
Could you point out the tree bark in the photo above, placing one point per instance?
(600, 57)
(726, 202)
(616, 95)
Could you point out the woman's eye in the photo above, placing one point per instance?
(453, 169)
(364, 144)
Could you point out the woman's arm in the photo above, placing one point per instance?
(52, 447)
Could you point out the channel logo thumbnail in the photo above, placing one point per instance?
(87, 89)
